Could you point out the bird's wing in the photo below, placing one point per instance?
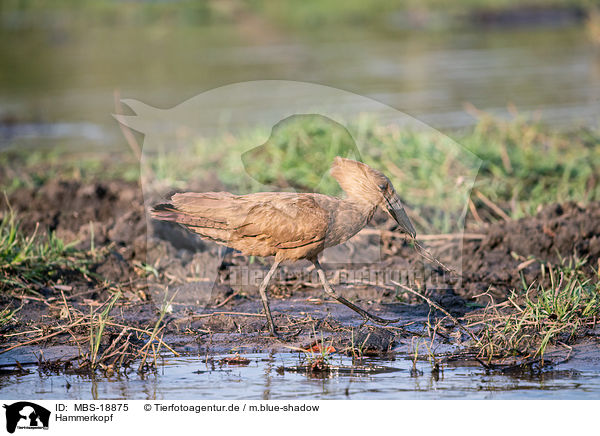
(277, 220)
(284, 221)
(207, 209)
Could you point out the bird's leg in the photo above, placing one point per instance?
(329, 291)
(265, 301)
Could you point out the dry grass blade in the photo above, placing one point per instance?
(425, 254)
(165, 308)
(119, 352)
(146, 332)
(474, 212)
(61, 330)
(493, 206)
(432, 237)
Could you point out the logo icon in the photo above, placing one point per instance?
(26, 415)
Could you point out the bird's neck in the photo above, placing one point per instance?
(348, 219)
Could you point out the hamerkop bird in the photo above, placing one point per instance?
(290, 226)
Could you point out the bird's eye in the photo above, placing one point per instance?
(382, 186)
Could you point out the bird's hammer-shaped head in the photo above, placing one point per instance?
(363, 183)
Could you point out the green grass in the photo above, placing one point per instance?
(527, 165)
(97, 327)
(7, 315)
(308, 14)
(30, 261)
(547, 312)
(33, 168)
(430, 14)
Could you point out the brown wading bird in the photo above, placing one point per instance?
(291, 226)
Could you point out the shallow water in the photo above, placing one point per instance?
(192, 378)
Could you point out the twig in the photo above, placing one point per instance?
(489, 203)
(150, 344)
(22, 333)
(474, 212)
(437, 306)
(423, 252)
(227, 300)
(120, 352)
(66, 305)
(33, 341)
(147, 332)
(432, 237)
(112, 345)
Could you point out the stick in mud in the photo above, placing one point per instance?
(440, 308)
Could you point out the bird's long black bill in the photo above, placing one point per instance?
(396, 210)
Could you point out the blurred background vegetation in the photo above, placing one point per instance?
(517, 83)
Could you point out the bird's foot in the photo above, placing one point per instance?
(362, 312)
(377, 320)
(284, 337)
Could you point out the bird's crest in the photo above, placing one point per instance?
(356, 178)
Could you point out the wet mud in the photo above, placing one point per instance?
(511, 248)
(210, 313)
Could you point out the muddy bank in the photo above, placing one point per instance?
(110, 214)
(211, 311)
(511, 248)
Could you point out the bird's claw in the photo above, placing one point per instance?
(375, 319)
(284, 337)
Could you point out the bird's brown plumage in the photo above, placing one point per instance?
(287, 225)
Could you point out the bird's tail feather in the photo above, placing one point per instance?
(199, 223)
(165, 212)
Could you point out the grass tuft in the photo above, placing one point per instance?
(27, 261)
(7, 315)
(556, 310)
(97, 325)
